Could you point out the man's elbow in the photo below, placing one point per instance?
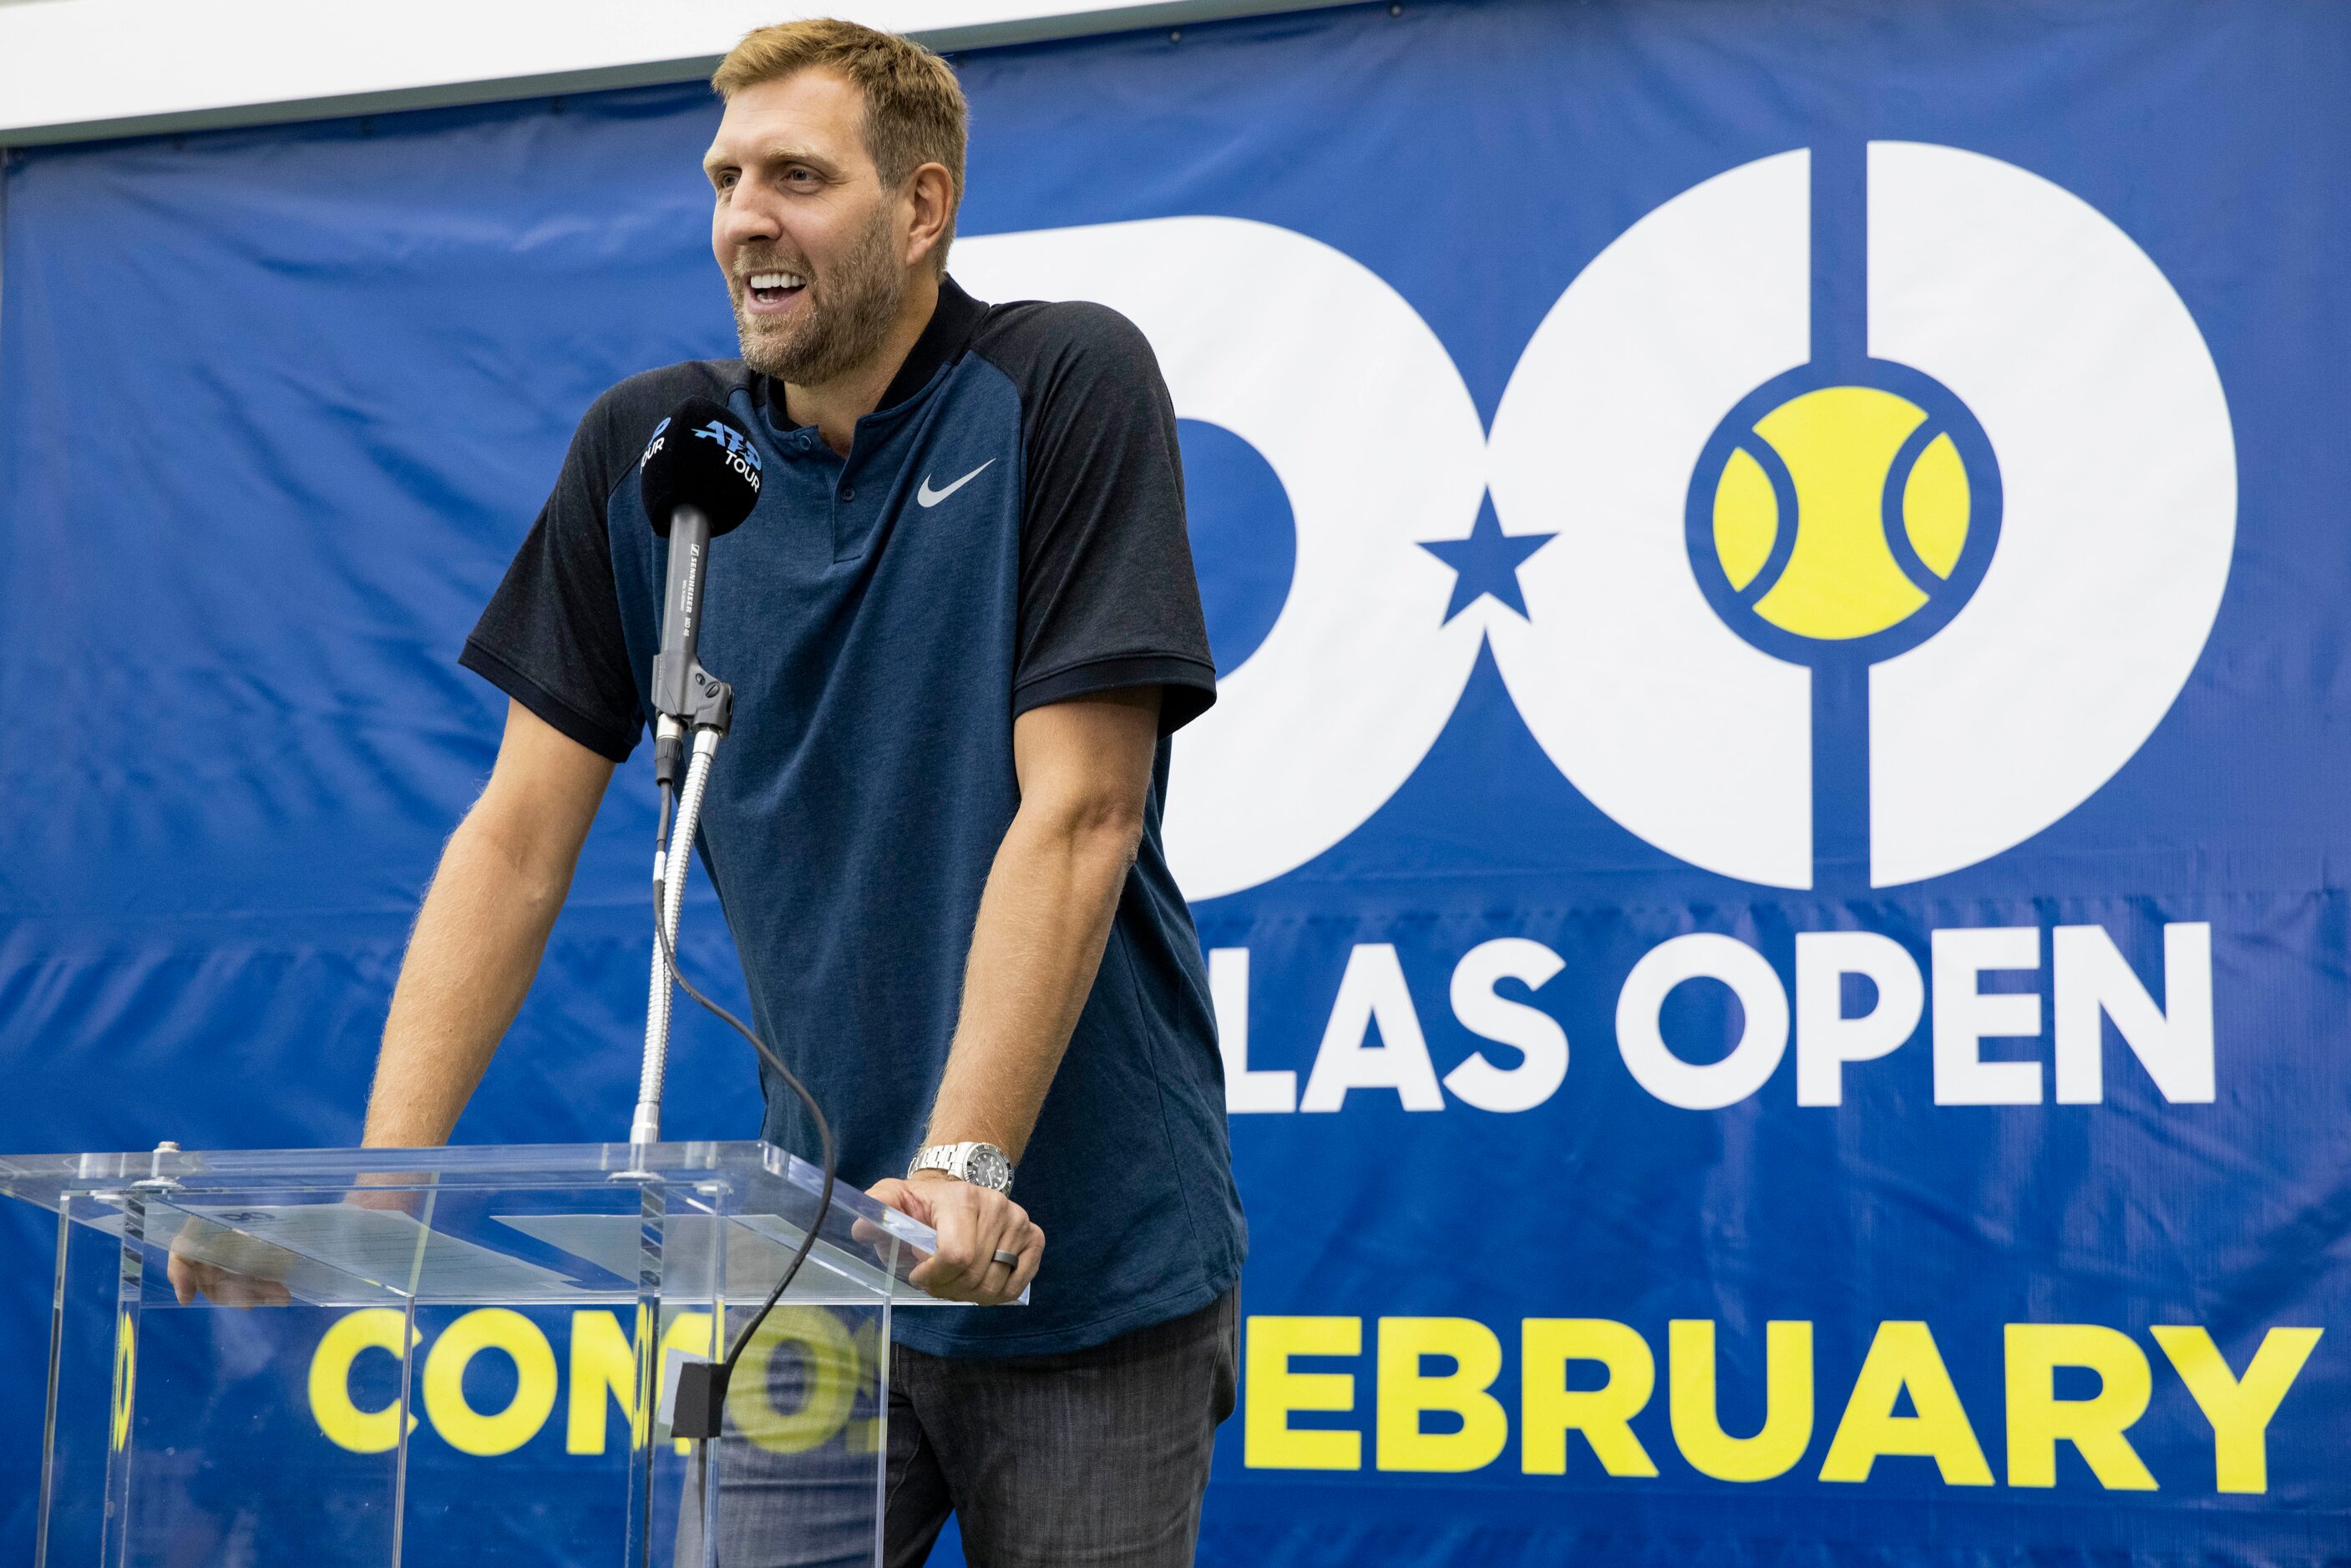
(1103, 828)
(518, 845)
(1114, 829)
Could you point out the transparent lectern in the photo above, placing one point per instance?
(457, 1356)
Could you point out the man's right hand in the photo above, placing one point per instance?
(192, 1276)
(191, 1279)
(225, 1285)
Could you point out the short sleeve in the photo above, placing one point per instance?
(550, 637)
(1108, 597)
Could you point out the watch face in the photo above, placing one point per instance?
(988, 1167)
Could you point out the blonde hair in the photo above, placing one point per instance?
(914, 109)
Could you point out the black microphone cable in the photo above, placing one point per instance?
(823, 1128)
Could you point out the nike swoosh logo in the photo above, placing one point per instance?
(930, 497)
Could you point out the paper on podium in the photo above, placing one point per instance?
(317, 1250)
(758, 1248)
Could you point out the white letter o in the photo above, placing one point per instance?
(1710, 1085)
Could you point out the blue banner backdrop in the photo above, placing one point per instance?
(1750, 1042)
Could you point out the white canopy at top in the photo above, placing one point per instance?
(71, 69)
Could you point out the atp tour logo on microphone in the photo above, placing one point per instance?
(1854, 516)
(741, 455)
(654, 442)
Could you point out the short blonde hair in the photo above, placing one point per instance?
(914, 109)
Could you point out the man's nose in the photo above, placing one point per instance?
(749, 217)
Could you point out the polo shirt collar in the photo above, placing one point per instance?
(943, 340)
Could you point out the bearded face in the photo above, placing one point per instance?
(805, 322)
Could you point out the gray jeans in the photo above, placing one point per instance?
(1096, 1457)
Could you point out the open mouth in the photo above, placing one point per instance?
(773, 288)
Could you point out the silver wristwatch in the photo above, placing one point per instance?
(981, 1164)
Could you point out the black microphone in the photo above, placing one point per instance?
(700, 478)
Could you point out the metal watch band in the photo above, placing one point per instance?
(981, 1164)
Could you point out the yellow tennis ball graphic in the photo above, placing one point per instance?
(1841, 576)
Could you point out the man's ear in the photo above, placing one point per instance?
(930, 193)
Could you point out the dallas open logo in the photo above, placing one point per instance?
(1826, 578)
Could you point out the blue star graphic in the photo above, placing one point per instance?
(1487, 562)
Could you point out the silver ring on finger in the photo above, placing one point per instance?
(1010, 1259)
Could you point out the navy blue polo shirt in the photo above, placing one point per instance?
(1006, 531)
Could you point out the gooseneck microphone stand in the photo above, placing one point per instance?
(689, 701)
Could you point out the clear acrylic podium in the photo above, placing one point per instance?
(460, 1357)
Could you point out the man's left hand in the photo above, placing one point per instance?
(974, 1224)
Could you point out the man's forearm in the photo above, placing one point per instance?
(476, 945)
(1035, 950)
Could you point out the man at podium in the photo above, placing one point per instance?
(961, 624)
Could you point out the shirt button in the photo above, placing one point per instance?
(849, 492)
